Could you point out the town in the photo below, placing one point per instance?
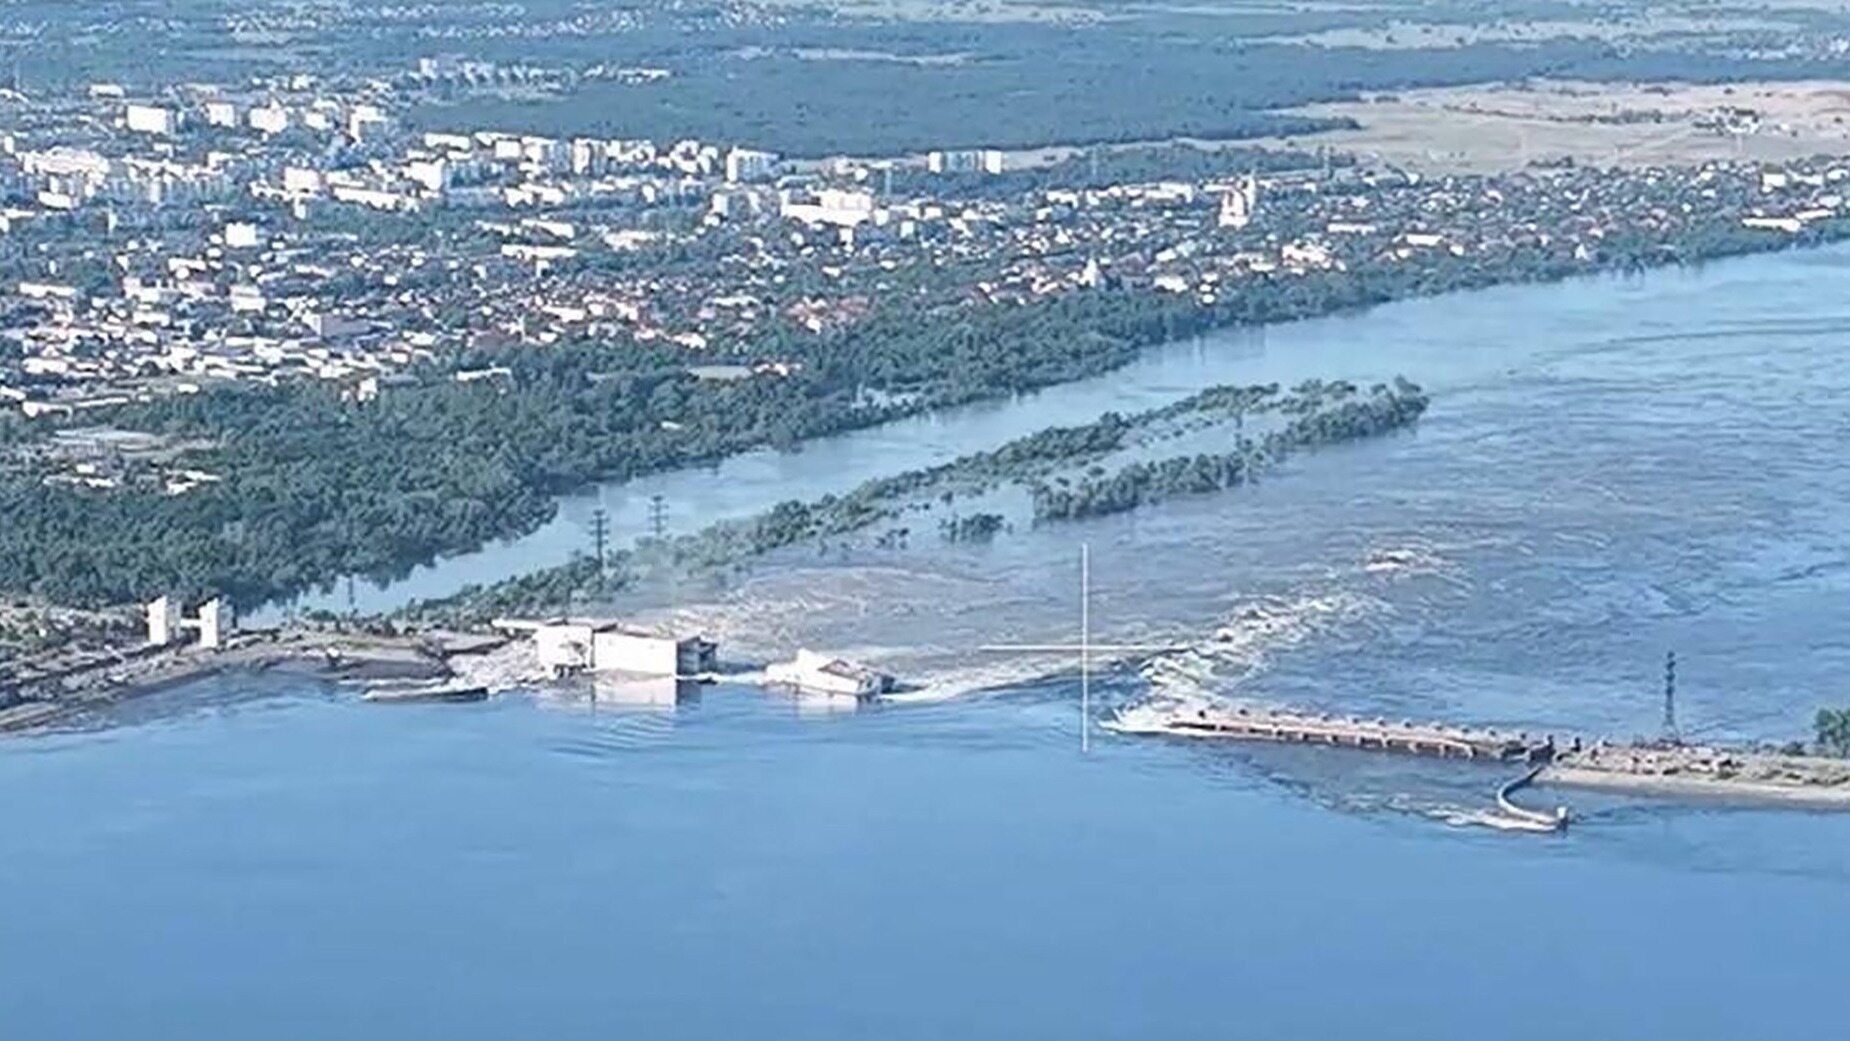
(293, 229)
(700, 298)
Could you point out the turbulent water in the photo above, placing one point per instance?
(1609, 470)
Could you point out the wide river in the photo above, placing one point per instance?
(1611, 469)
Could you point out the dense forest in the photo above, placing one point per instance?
(822, 79)
(1144, 80)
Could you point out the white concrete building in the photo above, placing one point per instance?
(246, 299)
(813, 673)
(832, 206)
(968, 160)
(270, 119)
(301, 180)
(745, 164)
(222, 114)
(367, 122)
(151, 119)
(433, 175)
(438, 142)
(242, 235)
(566, 646)
(1238, 205)
(167, 620)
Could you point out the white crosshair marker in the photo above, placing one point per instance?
(1084, 648)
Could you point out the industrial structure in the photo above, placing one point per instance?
(565, 646)
(813, 673)
(1442, 740)
(167, 620)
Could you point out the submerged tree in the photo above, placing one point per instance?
(1832, 730)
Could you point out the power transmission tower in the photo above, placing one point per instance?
(1670, 698)
(658, 516)
(1247, 474)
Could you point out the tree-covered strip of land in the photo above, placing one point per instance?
(1383, 410)
(1321, 413)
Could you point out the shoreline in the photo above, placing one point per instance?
(1745, 793)
(338, 656)
(427, 656)
(318, 595)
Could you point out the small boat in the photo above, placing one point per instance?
(419, 692)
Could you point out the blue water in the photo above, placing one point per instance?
(1610, 468)
(296, 867)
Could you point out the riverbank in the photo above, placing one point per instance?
(507, 459)
(138, 672)
(1706, 773)
(1698, 789)
(1461, 332)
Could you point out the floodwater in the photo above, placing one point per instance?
(1610, 469)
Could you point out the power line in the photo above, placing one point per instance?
(1085, 647)
(600, 528)
(658, 516)
(1670, 697)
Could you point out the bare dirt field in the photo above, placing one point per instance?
(1487, 128)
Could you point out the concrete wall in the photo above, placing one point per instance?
(163, 621)
(630, 652)
(211, 623)
(562, 648)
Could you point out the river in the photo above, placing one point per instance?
(1611, 468)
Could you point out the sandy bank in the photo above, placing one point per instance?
(1739, 791)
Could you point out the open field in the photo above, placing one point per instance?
(1487, 128)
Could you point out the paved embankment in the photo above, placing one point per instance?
(56, 694)
(1706, 772)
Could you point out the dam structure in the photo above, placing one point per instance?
(1435, 740)
(1666, 767)
(1282, 725)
